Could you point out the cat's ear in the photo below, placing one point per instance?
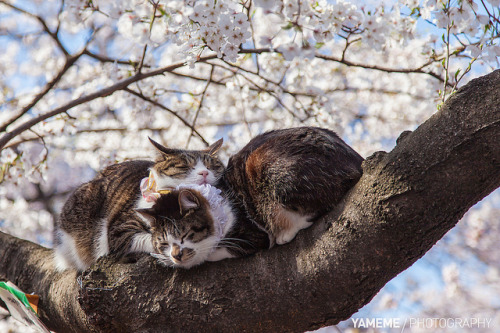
(163, 149)
(187, 200)
(214, 147)
(147, 213)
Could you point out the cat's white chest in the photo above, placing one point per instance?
(142, 203)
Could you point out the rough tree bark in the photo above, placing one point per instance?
(405, 202)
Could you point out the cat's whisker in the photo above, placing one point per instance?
(205, 249)
(236, 239)
(162, 259)
(229, 244)
(227, 241)
(237, 248)
(175, 225)
(191, 256)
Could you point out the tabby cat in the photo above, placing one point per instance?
(99, 217)
(279, 183)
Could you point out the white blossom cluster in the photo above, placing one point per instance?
(221, 26)
(463, 18)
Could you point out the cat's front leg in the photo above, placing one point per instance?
(289, 223)
(142, 242)
(129, 236)
(220, 254)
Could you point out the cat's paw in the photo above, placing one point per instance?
(294, 222)
(286, 236)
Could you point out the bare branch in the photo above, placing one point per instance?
(14, 145)
(209, 81)
(53, 35)
(161, 106)
(90, 97)
(418, 70)
(67, 65)
(104, 59)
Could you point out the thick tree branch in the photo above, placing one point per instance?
(58, 292)
(405, 202)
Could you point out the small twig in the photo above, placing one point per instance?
(102, 58)
(87, 98)
(446, 61)
(347, 44)
(53, 35)
(139, 69)
(277, 84)
(58, 15)
(489, 14)
(271, 93)
(69, 62)
(161, 106)
(200, 105)
(89, 130)
(257, 65)
(380, 68)
(418, 70)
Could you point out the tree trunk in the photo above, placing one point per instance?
(404, 203)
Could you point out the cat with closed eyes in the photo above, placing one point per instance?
(99, 217)
(279, 183)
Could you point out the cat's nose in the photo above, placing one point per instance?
(203, 173)
(177, 255)
(176, 252)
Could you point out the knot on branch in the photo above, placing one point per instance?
(372, 161)
(402, 137)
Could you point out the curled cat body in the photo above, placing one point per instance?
(279, 183)
(99, 217)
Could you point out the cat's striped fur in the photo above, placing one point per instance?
(100, 217)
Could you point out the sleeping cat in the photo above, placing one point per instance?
(279, 183)
(99, 217)
(203, 223)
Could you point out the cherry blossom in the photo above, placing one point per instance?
(189, 72)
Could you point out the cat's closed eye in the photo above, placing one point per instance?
(213, 163)
(199, 229)
(178, 171)
(182, 167)
(162, 245)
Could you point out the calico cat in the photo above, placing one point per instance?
(99, 217)
(279, 183)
